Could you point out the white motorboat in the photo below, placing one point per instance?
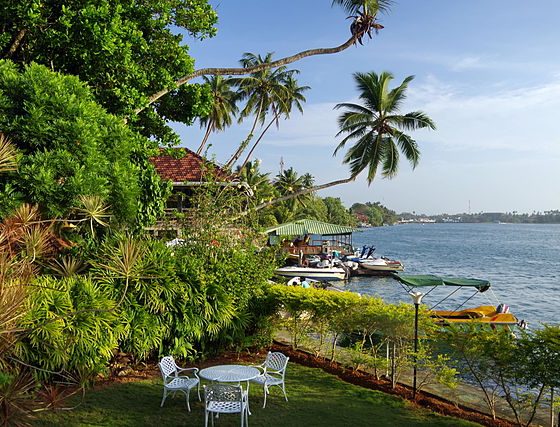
(381, 264)
(322, 274)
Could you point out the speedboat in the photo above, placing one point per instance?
(372, 264)
(381, 264)
(322, 274)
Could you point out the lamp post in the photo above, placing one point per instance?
(416, 299)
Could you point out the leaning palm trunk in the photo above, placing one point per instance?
(242, 71)
(205, 139)
(297, 194)
(235, 156)
(275, 118)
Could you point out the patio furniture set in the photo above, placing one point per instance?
(225, 393)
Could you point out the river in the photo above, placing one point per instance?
(521, 261)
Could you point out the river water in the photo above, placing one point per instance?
(521, 261)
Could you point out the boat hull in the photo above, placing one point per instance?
(485, 314)
(323, 274)
(382, 266)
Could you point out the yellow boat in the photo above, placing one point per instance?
(482, 314)
(485, 314)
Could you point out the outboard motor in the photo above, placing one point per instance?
(502, 308)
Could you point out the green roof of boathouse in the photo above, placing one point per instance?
(309, 226)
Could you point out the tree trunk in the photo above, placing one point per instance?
(259, 140)
(15, 45)
(242, 71)
(551, 406)
(235, 156)
(206, 135)
(301, 193)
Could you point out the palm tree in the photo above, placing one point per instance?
(264, 91)
(292, 97)
(258, 182)
(378, 129)
(289, 183)
(364, 13)
(366, 21)
(224, 107)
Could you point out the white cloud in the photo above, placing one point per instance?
(468, 63)
(519, 119)
(317, 127)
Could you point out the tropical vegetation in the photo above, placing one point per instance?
(70, 147)
(125, 51)
(374, 213)
(88, 90)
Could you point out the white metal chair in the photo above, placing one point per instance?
(273, 373)
(225, 399)
(174, 380)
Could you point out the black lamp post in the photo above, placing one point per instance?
(416, 299)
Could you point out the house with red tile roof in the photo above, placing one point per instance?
(180, 165)
(186, 169)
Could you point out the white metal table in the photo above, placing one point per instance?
(230, 374)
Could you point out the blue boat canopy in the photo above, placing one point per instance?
(431, 280)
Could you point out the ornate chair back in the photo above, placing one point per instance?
(225, 399)
(168, 367)
(276, 362)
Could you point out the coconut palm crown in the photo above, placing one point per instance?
(223, 109)
(378, 128)
(365, 14)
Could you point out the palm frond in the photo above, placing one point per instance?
(370, 7)
(396, 97)
(416, 120)
(408, 146)
(94, 210)
(390, 158)
(376, 128)
(8, 155)
(356, 134)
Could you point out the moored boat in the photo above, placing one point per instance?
(369, 264)
(483, 314)
(322, 274)
(492, 315)
(381, 264)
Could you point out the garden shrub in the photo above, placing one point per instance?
(72, 147)
(70, 327)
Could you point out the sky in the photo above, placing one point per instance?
(487, 72)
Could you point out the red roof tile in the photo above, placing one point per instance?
(190, 167)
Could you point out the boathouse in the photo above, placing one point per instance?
(311, 237)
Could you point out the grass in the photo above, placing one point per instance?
(315, 399)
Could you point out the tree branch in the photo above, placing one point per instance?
(17, 41)
(242, 71)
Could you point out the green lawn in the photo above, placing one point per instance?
(316, 399)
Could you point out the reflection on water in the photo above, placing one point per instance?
(522, 262)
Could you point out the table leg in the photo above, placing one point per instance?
(248, 410)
